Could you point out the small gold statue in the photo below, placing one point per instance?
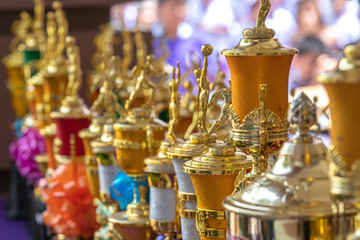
(127, 51)
(107, 100)
(204, 89)
(74, 68)
(141, 48)
(51, 37)
(226, 108)
(142, 82)
(174, 111)
(62, 28)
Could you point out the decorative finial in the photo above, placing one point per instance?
(174, 111)
(203, 89)
(260, 31)
(74, 68)
(303, 117)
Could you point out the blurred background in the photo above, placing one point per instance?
(318, 28)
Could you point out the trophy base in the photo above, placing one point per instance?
(346, 188)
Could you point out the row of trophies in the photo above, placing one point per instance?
(116, 171)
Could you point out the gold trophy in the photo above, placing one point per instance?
(105, 104)
(194, 147)
(136, 137)
(55, 68)
(161, 174)
(343, 86)
(257, 64)
(291, 200)
(14, 62)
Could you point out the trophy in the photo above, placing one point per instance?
(190, 149)
(161, 174)
(213, 175)
(72, 116)
(343, 86)
(55, 69)
(104, 150)
(136, 137)
(14, 62)
(291, 200)
(259, 64)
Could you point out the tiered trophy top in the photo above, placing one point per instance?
(219, 159)
(298, 185)
(259, 40)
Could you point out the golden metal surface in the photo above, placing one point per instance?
(163, 227)
(174, 111)
(181, 208)
(203, 226)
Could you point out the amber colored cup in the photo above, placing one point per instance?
(344, 103)
(248, 72)
(210, 192)
(130, 160)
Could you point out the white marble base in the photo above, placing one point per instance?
(188, 229)
(106, 177)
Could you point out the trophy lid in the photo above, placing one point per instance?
(348, 69)
(194, 147)
(161, 159)
(139, 119)
(105, 142)
(298, 185)
(259, 40)
(71, 108)
(219, 159)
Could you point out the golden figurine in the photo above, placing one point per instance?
(38, 25)
(142, 82)
(127, 51)
(204, 89)
(51, 36)
(74, 68)
(62, 30)
(107, 100)
(141, 48)
(174, 112)
(225, 110)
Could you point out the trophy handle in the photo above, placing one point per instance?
(240, 181)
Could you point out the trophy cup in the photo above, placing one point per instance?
(72, 116)
(55, 70)
(136, 137)
(213, 175)
(343, 86)
(291, 200)
(161, 174)
(257, 64)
